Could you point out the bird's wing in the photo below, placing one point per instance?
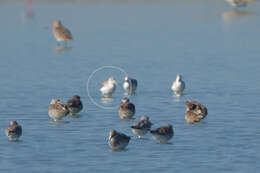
(66, 33)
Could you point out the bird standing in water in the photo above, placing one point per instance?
(130, 85)
(117, 140)
(61, 33)
(195, 112)
(108, 87)
(178, 85)
(57, 110)
(126, 109)
(163, 134)
(74, 105)
(14, 130)
(142, 126)
(239, 3)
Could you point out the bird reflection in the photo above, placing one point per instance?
(235, 14)
(107, 100)
(58, 122)
(60, 48)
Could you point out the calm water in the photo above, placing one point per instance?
(214, 47)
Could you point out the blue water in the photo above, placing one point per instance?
(214, 47)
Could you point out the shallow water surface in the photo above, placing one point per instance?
(214, 47)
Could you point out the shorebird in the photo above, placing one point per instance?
(61, 33)
(239, 3)
(29, 14)
(57, 110)
(195, 112)
(74, 105)
(13, 131)
(130, 85)
(126, 109)
(178, 85)
(117, 140)
(163, 134)
(108, 87)
(192, 117)
(142, 126)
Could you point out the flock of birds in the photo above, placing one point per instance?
(126, 110)
(57, 110)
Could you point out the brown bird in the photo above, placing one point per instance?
(163, 134)
(57, 110)
(117, 140)
(61, 33)
(192, 117)
(196, 107)
(74, 105)
(195, 112)
(142, 126)
(13, 131)
(126, 109)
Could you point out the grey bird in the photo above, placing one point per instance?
(14, 130)
(126, 109)
(195, 112)
(57, 110)
(74, 105)
(130, 85)
(141, 127)
(117, 140)
(163, 134)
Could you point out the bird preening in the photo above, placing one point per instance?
(57, 110)
(13, 131)
(195, 112)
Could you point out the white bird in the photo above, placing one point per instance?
(239, 3)
(108, 87)
(130, 85)
(178, 85)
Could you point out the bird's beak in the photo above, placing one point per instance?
(48, 27)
